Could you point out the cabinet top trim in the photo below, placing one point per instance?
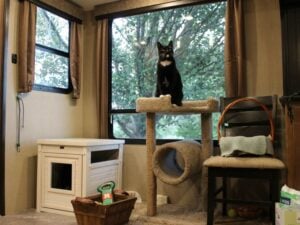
(79, 141)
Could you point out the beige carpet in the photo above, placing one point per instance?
(176, 215)
(167, 215)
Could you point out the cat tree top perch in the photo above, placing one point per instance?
(163, 104)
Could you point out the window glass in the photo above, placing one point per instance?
(51, 69)
(197, 33)
(52, 30)
(52, 52)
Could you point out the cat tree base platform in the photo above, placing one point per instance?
(163, 104)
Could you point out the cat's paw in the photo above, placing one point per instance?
(165, 97)
(177, 104)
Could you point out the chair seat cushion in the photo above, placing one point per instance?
(244, 162)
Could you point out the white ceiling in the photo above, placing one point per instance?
(90, 4)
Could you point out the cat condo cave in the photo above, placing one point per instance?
(175, 162)
(155, 158)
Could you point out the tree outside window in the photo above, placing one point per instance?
(52, 52)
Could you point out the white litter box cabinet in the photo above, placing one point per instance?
(75, 167)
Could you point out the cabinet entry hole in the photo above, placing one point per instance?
(61, 176)
(101, 156)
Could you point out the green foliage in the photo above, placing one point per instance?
(51, 67)
(199, 47)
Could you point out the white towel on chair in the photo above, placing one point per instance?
(240, 145)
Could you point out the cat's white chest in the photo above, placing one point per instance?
(165, 63)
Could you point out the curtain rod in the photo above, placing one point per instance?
(55, 10)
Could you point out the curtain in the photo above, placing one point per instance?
(3, 5)
(235, 77)
(2, 15)
(263, 47)
(26, 45)
(101, 72)
(75, 58)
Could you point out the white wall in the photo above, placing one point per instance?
(47, 115)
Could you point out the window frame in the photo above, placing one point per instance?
(39, 87)
(44, 48)
(111, 17)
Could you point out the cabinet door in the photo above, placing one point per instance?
(61, 180)
(290, 10)
(295, 153)
(294, 150)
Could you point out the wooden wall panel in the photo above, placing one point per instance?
(291, 46)
(292, 151)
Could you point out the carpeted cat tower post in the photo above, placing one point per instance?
(188, 155)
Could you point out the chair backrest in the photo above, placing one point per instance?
(248, 118)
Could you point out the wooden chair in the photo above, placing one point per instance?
(244, 117)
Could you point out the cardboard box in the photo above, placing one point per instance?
(285, 215)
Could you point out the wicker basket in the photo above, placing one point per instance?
(88, 212)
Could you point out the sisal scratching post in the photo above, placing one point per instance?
(151, 180)
(207, 145)
(206, 130)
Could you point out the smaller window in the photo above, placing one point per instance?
(52, 53)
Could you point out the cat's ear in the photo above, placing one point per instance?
(159, 45)
(171, 44)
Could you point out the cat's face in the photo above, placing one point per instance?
(165, 53)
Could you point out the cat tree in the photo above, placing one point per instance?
(151, 106)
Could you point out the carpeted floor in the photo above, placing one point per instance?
(166, 215)
(176, 215)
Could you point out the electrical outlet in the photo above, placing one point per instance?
(14, 58)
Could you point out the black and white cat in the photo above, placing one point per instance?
(168, 77)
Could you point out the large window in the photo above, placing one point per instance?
(52, 52)
(197, 33)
